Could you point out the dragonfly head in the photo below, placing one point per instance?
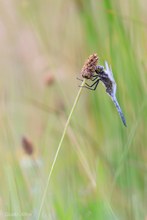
(99, 69)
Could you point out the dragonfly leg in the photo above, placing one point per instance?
(94, 85)
(80, 79)
(94, 77)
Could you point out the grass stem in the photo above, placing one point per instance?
(58, 149)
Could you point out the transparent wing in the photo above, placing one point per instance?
(109, 71)
(110, 75)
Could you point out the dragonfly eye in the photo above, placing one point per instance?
(100, 67)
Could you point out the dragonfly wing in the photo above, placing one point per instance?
(110, 75)
(109, 71)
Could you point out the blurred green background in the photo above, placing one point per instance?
(101, 170)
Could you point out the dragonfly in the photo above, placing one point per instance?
(105, 75)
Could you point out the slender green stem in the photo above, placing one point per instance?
(58, 149)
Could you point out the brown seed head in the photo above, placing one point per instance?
(89, 66)
(27, 146)
(49, 79)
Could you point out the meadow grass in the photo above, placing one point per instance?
(100, 172)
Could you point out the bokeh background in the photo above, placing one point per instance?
(101, 170)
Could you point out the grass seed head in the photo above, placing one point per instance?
(49, 80)
(89, 66)
(27, 146)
